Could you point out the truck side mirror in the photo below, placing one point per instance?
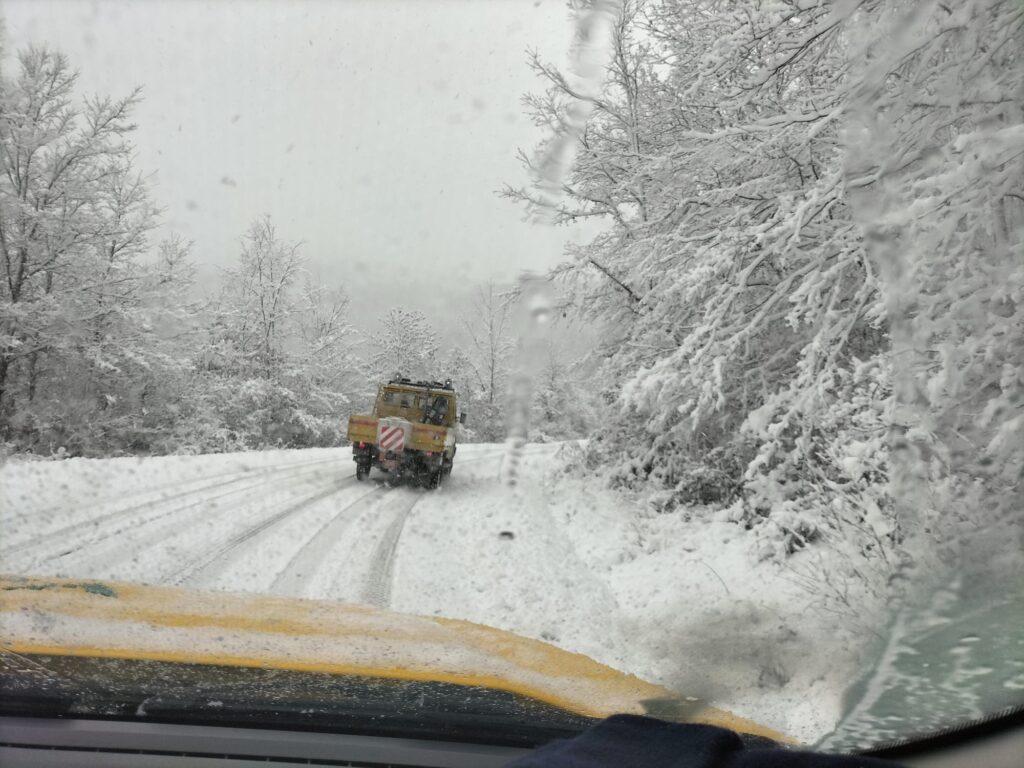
(462, 418)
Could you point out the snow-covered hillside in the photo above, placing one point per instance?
(554, 558)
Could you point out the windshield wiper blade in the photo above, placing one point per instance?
(411, 722)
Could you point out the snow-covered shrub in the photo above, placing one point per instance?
(561, 407)
(718, 477)
(828, 483)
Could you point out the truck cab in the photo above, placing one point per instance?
(411, 431)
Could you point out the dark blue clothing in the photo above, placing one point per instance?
(629, 741)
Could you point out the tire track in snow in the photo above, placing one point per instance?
(197, 570)
(167, 507)
(377, 589)
(181, 485)
(314, 553)
(380, 575)
(70, 530)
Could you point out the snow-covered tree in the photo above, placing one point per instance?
(479, 428)
(327, 338)
(792, 190)
(102, 348)
(258, 303)
(406, 344)
(74, 218)
(562, 406)
(934, 172)
(277, 365)
(484, 368)
(490, 341)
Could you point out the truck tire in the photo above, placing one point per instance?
(434, 479)
(362, 471)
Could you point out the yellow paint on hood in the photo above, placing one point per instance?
(118, 620)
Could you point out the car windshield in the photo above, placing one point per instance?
(710, 313)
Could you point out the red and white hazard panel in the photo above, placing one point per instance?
(392, 434)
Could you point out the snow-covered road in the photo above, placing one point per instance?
(679, 602)
(288, 523)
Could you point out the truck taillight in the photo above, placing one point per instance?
(362, 444)
(430, 454)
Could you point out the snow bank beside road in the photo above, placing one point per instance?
(680, 602)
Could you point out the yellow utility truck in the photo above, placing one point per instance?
(411, 432)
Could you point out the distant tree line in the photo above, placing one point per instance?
(104, 349)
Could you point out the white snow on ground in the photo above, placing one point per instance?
(677, 601)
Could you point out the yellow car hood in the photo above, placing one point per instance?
(113, 620)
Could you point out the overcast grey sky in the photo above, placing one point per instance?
(376, 131)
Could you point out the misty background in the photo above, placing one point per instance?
(377, 134)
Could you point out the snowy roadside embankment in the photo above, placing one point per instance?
(679, 601)
(673, 598)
